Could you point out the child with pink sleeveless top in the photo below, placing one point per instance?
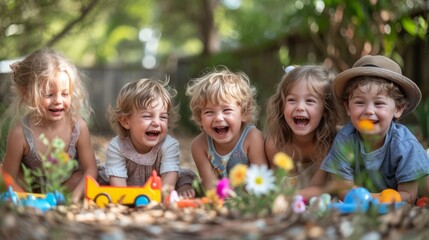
(142, 118)
(49, 98)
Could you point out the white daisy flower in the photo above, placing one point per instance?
(259, 179)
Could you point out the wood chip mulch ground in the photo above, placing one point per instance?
(115, 222)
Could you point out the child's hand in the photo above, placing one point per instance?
(186, 191)
(76, 196)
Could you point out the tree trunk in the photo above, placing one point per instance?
(208, 29)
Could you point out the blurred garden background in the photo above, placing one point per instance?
(114, 42)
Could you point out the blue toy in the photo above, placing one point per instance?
(42, 202)
(359, 200)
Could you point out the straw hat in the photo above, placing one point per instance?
(379, 66)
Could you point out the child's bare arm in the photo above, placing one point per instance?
(408, 191)
(320, 178)
(338, 186)
(15, 150)
(87, 162)
(205, 169)
(270, 150)
(117, 181)
(255, 147)
(169, 179)
(316, 187)
(311, 191)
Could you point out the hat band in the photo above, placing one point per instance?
(369, 65)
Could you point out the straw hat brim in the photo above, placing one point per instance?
(408, 87)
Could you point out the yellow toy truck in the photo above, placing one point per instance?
(130, 195)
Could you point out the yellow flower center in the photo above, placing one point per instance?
(259, 180)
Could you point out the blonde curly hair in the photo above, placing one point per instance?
(222, 85)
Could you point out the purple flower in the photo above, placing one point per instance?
(223, 188)
(53, 160)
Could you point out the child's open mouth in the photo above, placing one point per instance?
(301, 121)
(153, 133)
(221, 130)
(57, 110)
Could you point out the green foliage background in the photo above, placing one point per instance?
(257, 37)
(99, 32)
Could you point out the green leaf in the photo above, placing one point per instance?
(409, 26)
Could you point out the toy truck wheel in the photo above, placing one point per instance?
(102, 199)
(141, 200)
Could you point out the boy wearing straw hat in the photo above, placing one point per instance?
(373, 150)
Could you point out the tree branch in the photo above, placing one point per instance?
(83, 13)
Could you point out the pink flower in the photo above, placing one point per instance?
(298, 205)
(223, 188)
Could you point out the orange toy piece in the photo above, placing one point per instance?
(8, 181)
(131, 195)
(389, 196)
(192, 202)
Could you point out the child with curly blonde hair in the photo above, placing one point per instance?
(49, 98)
(142, 119)
(301, 122)
(223, 105)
